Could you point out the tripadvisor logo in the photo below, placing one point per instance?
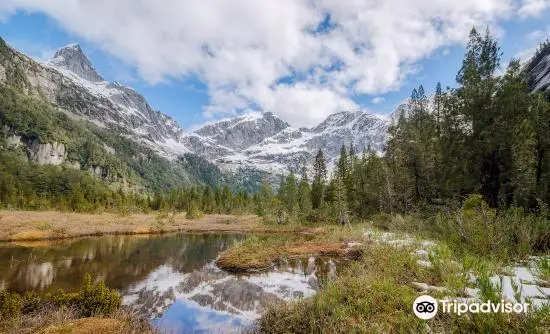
(426, 307)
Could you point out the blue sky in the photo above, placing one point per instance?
(37, 35)
(243, 71)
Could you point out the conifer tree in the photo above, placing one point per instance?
(319, 180)
(304, 194)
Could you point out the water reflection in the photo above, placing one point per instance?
(171, 279)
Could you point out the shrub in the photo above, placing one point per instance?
(194, 212)
(90, 300)
(62, 298)
(31, 302)
(93, 300)
(478, 229)
(10, 305)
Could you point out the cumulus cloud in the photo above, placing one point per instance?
(533, 7)
(537, 36)
(378, 99)
(533, 38)
(301, 59)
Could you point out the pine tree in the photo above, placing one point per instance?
(304, 194)
(438, 104)
(319, 180)
(343, 164)
(477, 90)
(290, 194)
(265, 199)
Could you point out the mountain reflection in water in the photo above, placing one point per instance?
(172, 279)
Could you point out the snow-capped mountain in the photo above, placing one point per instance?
(73, 59)
(291, 148)
(110, 103)
(257, 141)
(241, 132)
(260, 141)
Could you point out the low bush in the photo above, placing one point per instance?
(91, 300)
(194, 212)
(477, 229)
(10, 305)
(97, 299)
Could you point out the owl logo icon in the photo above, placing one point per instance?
(425, 307)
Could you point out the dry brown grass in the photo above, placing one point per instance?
(85, 326)
(32, 235)
(66, 321)
(261, 253)
(315, 248)
(142, 230)
(48, 225)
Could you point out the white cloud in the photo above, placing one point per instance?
(533, 39)
(303, 105)
(241, 49)
(533, 7)
(538, 36)
(378, 99)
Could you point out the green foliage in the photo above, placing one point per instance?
(91, 300)
(31, 302)
(135, 167)
(96, 299)
(479, 229)
(487, 136)
(543, 267)
(367, 297)
(319, 180)
(10, 304)
(193, 212)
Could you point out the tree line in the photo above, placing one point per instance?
(489, 135)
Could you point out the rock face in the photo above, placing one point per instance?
(241, 132)
(291, 148)
(70, 82)
(538, 70)
(73, 59)
(49, 153)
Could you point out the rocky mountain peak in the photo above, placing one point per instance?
(72, 58)
(243, 131)
(339, 119)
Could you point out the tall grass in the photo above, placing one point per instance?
(476, 229)
(373, 295)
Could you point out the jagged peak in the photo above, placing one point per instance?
(342, 118)
(233, 121)
(72, 58)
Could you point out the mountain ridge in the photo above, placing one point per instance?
(232, 143)
(261, 142)
(254, 142)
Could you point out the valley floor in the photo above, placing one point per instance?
(48, 225)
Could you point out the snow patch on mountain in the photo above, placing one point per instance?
(131, 110)
(74, 60)
(291, 148)
(255, 141)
